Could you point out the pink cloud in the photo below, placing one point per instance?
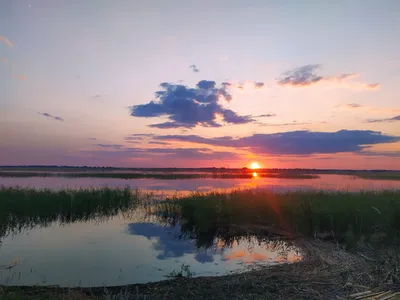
(6, 41)
(21, 77)
(306, 76)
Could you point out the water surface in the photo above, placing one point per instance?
(324, 182)
(123, 251)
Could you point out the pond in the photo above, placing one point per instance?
(126, 250)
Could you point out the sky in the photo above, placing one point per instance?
(288, 84)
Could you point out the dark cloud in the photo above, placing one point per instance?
(300, 76)
(158, 143)
(133, 138)
(194, 68)
(259, 85)
(92, 139)
(142, 134)
(265, 116)
(294, 123)
(188, 107)
(111, 146)
(231, 117)
(350, 106)
(169, 125)
(353, 105)
(306, 76)
(52, 117)
(394, 119)
(296, 142)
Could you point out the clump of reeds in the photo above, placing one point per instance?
(22, 208)
(341, 216)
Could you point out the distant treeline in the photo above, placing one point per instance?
(50, 168)
(160, 175)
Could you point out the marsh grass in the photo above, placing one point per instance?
(341, 216)
(183, 272)
(353, 219)
(25, 208)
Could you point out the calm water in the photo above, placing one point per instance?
(125, 251)
(130, 249)
(325, 182)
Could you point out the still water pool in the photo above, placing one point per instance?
(123, 251)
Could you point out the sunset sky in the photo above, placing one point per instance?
(181, 83)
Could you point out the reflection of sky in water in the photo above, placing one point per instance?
(118, 252)
(326, 182)
(169, 242)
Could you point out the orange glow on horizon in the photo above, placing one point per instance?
(254, 165)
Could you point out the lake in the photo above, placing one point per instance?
(324, 182)
(128, 248)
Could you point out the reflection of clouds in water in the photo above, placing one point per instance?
(252, 251)
(246, 257)
(169, 243)
(204, 256)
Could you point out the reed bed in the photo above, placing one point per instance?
(326, 225)
(341, 216)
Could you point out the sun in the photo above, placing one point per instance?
(254, 165)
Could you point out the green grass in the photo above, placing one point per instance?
(22, 208)
(345, 217)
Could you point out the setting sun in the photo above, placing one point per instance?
(254, 165)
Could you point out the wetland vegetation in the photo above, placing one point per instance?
(348, 239)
